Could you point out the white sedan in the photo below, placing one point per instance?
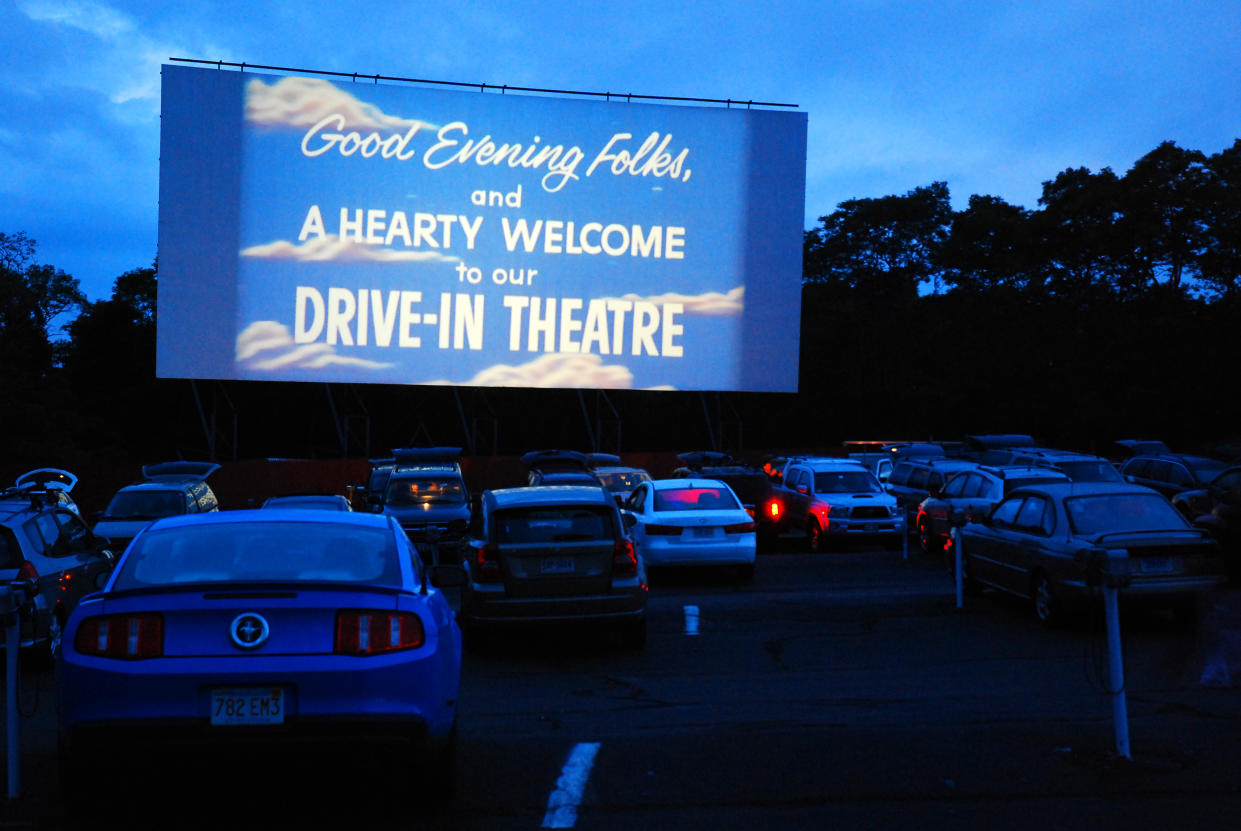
(682, 522)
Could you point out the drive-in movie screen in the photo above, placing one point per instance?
(354, 231)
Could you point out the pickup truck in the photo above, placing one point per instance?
(831, 499)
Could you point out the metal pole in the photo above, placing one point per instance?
(958, 544)
(1116, 670)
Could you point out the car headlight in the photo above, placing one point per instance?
(838, 510)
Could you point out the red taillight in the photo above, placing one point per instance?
(487, 559)
(27, 571)
(129, 637)
(774, 508)
(739, 528)
(366, 632)
(624, 559)
(664, 530)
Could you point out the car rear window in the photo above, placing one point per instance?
(1122, 512)
(553, 523)
(695, 499)
(261, 552)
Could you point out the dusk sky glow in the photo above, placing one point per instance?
(990, 97)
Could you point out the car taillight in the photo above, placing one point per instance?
(27, 571)
(774, 508)
(366, 632)
(129, 637)
(624, 559)
(739, 528)
(487, 558)
(664, 530)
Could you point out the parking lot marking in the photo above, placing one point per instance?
(562, 804)
(691, 620)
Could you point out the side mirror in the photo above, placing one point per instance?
(803, 489)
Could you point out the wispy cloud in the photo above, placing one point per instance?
(557, 370)
(304, 102)
(267, 345)
(331, 248)
(712, 303)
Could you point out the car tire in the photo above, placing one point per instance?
(1044, 601)
(814, 537)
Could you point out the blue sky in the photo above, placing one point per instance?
(991, 97)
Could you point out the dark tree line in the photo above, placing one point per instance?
(1112, 310)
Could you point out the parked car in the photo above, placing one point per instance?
(426, 493)
(558, 467)
(751, 484)
(369, 496)
(556, 555)
(47, 544)
(313, 630)
(617, 478)
(1080, 467)
(310, 502)
(691, 522)
(972, 492)
(831, 499)
(1036, 544)
(912, 480)
(1172, 473)
(167, 489)
(1217, 509)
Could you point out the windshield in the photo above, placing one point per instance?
(257, 552)
(145, 505)
(846, 481)
(1122, 512)
(425, 490)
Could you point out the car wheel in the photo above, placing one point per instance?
(1046, 604)
(814, 537)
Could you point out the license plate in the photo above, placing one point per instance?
(704, 532)
(1156, 565)
(557, 565)
(247, 705)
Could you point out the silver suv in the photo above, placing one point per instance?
(557, 554)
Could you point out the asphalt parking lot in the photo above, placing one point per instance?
(842, 690)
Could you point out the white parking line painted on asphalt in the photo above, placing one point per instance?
(562, 804)
(691, 620)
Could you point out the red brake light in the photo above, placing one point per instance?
(775, 508)
(27, 571)
(129, 637)
(366, 632)
(624, 559)
(740, 528)
(487, 558)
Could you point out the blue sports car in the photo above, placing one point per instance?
(265, 626)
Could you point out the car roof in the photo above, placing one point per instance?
(401, 471)
(174, 485)
(259, 515)
(1025, 471)
(550, 495)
